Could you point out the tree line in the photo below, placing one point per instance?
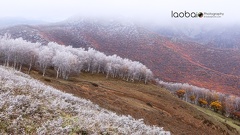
(66, 60)
(226, 104)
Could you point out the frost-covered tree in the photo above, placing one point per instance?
(45, 56)
(67, 60)
(31, 55)
(64, 63)
(18, 52)
(6, 49)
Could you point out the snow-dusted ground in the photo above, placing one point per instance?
(27, 106)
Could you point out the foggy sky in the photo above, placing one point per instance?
(156, 11)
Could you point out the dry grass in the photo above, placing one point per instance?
(232, 124)
(30, 107)
(155, 105)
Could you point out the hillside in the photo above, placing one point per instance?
(120, 85)
(215, 69)
(215, 35)
(170, 60)
(157, 106)
(30, 107)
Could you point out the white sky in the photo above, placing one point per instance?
(152, 10)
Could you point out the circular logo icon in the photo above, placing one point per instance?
(200, 14)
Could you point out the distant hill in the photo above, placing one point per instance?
(217, 36)
(170, 59)
(12, 21)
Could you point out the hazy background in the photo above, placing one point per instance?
(154, 11)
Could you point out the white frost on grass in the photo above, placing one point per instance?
(27, 106)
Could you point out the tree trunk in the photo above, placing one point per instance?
(57, 73)
(29, 69)
(44, 70)
(20, 67)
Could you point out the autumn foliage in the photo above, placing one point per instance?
(180, 93)
(227, 105)
(202, 102)
(216, 105)
(192, 98)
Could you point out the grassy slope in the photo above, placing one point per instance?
(228, 121)
(154, 104)
(29, 107)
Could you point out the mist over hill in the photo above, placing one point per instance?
(223, 36)
(12, 21)
(171, 57)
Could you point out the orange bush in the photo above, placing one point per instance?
(192, 98)
(216, 105)
(202, 102)
(180, 93)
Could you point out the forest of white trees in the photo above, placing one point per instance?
(30, 107)
(67, 60)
